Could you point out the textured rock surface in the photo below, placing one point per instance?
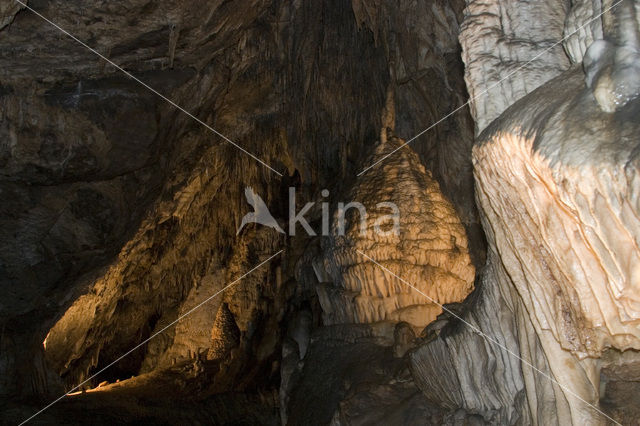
(118, 210)
(7, 11)
(457, 368)
(559, 196)
(558, 300)
(368, 314)
(612, 65)
(118, 214)
(508, 49)
(580, 29)
(420, 42)
(581, 190)
(367, 384)
(428, 247)
(556, 178)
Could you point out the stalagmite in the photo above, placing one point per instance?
(428, 249)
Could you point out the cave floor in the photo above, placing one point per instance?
(154, 398)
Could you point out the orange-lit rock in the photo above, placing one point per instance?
(430, 250)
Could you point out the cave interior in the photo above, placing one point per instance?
(289, 212)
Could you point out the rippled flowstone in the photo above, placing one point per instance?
(508, 53)
(427, 248)
(552, 337)
(558, 182)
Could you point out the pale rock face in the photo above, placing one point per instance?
(581, 190)
(581, 29)
(457, 368)
(612, 65)
(498, 40)
(429, 251)
(558, 183)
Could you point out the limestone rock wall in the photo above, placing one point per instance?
(499, 38)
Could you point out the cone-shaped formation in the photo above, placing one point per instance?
(225, 334)
(426, 246)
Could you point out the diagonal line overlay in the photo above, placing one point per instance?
(189, 312)
(486, 337)
(484, 92)
(145, 85)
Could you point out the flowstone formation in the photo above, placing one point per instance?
(552, 333)
(426, 246)
(367, 313)
(119, 214)
(560, 204)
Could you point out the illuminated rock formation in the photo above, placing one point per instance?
(428, 248)
(557, 314)
(559, 197)
(557, 311)
(120, 214)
